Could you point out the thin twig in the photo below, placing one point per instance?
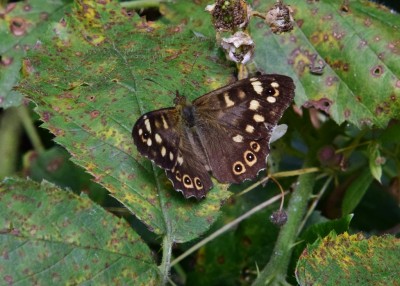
(226, 227)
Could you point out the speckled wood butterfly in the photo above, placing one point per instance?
(225, 132)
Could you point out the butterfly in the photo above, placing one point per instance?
(225, 132)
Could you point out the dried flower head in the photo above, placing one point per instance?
(229, 15)
(280, 18)
(240, 47)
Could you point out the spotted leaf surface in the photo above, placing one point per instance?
(95, 73)
(344, 64)
(21, 23)
(48, 234)
(350, 259)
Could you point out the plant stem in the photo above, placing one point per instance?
(275, 271)
(166, 258)
(10, 130)
(30, 128)
(227, 227)
(141, 4)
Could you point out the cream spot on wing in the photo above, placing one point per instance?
(274, 84)
(238, 138)
(257, 85)
(149, 142)
(228, 101)
(276, 92)
(147, 125)
(163, 151)
(158, 138)
(140, 132)
(242, 94)
(249, 128)
(171, 156)
(180, 160)
(165, 124)
(258, 118)
(253, 79)
(271, 99)
(254, 105)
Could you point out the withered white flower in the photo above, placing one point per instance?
(240, 47)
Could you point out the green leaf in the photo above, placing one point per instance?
(363, 92)
(21, 25)
(47, 234)
(54, 165)
(375, 161)
(350, 260)
(356, 191)
(90, 86)
(317, 231)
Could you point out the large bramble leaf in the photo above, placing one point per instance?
(90, 84)
(361, 80)
(359, 50)
(21, 25)
(350, 260)
(51, 236)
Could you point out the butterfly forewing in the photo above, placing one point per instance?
(226, 132)
(156, 135)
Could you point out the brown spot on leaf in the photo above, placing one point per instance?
(394, 47)
(377, 71)
(331, 80)
(300, 22)
(347, 113)
(322, 104)
(221, 259)
(6, 61)
(46, 116)
(368, 22)
(18, 26)
(362, 43)
(55, 164)
(9, 279)
(44, 16)
(94, 113)
(27, 7)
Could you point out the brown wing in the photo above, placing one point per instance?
(235, 124)
(162, 137)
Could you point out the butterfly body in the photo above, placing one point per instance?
(225, 132)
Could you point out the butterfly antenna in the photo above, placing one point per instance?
(191, 70)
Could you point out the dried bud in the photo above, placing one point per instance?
(280, 18)
(240, 47)
(229, 15)
(279, 218)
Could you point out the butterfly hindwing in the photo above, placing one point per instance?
(190, 174)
